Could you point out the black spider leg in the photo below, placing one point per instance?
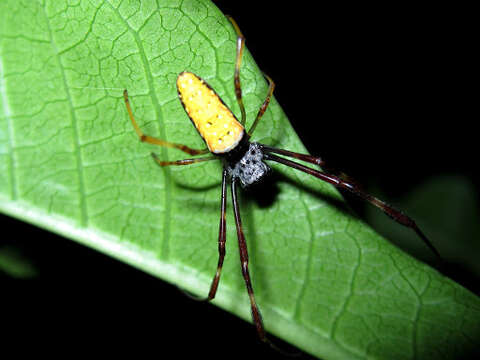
(222, 237)
(351, 186)
(256, 315)
(242, 245)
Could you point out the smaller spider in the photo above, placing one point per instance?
(244, 161)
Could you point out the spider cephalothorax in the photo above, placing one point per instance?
(250, 168)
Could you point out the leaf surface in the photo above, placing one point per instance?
(71, 163)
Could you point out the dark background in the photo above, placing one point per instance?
(384, 93)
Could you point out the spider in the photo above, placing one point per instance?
(244, 161)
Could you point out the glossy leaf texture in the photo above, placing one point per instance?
(70, 162)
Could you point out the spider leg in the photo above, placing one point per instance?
(257, 317)
(263, 108)
(312, 160)
(238, 63)
(181, 162)
(154, 140)
(238, 87)
(351, 186)
(303, 157)
(222, 238)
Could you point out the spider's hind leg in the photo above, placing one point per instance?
(181, 162)
(238, 87)
(156, 141)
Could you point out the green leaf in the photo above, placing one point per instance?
(71, 163)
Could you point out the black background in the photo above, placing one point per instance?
(384, 93)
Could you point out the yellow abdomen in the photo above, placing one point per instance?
(213, 119)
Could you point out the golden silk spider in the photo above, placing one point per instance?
(244, 161)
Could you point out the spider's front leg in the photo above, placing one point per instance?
(346, 184)
(222, 237)
(242, 245)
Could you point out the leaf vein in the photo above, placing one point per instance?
(164, 245)
(10, 145)
(352, 282)
(76, 138)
